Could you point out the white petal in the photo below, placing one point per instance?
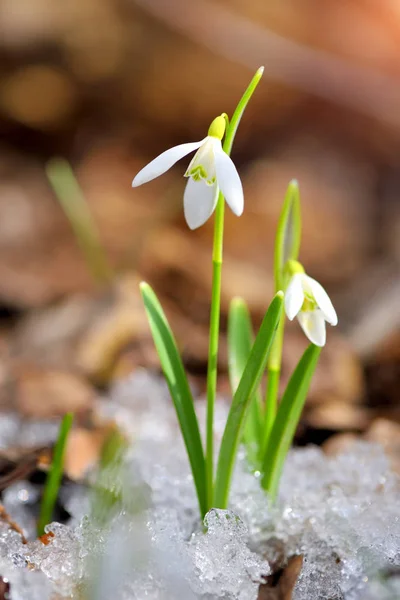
(228, 179)
(323, 301)
(164, 161)
(313, 325)
(294, 296)
(199, 202)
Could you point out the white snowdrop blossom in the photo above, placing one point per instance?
(307, 299)
(211, 168)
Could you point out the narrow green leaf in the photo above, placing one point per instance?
(287, 419)
(248, 384)
(178, 385)
(113, 491)
(240, 342)
(241, 107)
(113, 448)
(72, 201)
(288, 234)
(54, 476)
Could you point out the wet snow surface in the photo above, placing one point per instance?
(341, 513)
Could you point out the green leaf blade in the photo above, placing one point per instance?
(240, 342)
(178, 385)
(249, 382)
(72, 201)
(287, 419)
(241, 107)
(288, 234)
(53, 481)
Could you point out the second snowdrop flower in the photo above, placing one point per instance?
(210, 169)
(307, 299)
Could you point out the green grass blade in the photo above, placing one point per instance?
(175, 376)
(248, 384)
(109, 489)
(54, 476)
(71, 199)
(287, 419)
(240, 342)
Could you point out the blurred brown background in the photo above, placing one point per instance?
(108, 84)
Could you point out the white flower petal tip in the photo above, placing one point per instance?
(323, 301)
(313, 325)
(199, 202)
(228, 180)
(164, 162)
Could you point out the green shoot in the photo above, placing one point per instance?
(53, 481)
(287, 419)
(287, 245)
(108, 488)
(240, 342)
(231, 128)
(178, 385)
(248, 384)
(72, 201)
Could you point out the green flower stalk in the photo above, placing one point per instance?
(212, 179)
(287, 246)
(54, 477)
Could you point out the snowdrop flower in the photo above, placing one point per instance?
(307, 299)
(211, 168)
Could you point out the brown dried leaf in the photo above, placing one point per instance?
(46, 538)
(386, 433)
(4, 589)
(17, 464)
(49, 393)
(83, 450)
(280, 585)
(4, 516)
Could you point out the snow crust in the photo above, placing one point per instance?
(342, 514)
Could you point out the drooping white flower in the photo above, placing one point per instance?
(211, 168)
(307, 299)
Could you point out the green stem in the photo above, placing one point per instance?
(213, 343)
(53, 481)
(216, 289)
(70, 196)
(287, 245)
(271, 404)
(273, 378)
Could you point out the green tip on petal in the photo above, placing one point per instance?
(217, 127)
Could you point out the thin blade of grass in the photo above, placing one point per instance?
(240, 342)
(71, 199)
(287, 419)
(178, 385)
(54, 476)
(248, 384)
(109, 494)
(288, 233)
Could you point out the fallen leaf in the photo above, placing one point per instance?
(280, 585)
